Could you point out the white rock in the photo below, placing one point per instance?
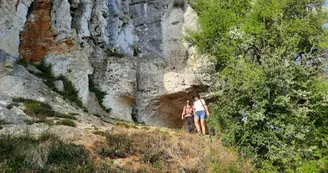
(61, 18)
(12, 20)
(59, 85)
(75, 66)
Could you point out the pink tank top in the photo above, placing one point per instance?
(189, 111)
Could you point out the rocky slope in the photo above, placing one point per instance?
(133, 51)
(117, 147)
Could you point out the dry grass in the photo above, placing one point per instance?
(164, 150)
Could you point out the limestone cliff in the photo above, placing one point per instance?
(132, 50)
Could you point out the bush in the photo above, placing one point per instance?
(67, 154)
(155, 157)
(178, 3)
(44, 154)
(272, 101)
(117, 146)
(66, 122)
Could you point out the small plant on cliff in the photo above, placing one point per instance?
(178, 3)
(99, 94)
(40, 110)
(66, 122)
(49, 79)
(22, 62)
(3, 122)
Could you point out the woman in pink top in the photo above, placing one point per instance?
(188, 116)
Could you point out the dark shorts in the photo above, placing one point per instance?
(189, 123)
(201, 115)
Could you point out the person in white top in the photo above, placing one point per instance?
(201, 111)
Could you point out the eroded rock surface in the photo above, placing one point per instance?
(132, 50)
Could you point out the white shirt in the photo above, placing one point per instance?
(198, 106)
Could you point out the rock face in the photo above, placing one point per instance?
(12, 22)
(133, 50)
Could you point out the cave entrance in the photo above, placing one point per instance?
(171, 106)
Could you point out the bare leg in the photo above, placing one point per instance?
(196, 120)
(202, 123)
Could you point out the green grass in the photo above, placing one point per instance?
(25, 153)
(46, 121)
(3, 122)
(99, 94)
(69, 154)
(69, 91)
(40, 110)
(22, 62)
(49, 79)
(30, 122)
(47, 154)
(66, 122)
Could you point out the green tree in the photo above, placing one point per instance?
(274, 101)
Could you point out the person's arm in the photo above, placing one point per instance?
(206, 108)
(183, 112)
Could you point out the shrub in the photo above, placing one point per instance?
(30, 122)
(272, 101)
(22, 62)
(178, 3)
(155, 157)
(69, 91)
(67, 154)
(99, 94)
(66, 122)
(117, 146)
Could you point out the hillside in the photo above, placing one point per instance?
(116, 146)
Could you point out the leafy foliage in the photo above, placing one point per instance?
(273, 105)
